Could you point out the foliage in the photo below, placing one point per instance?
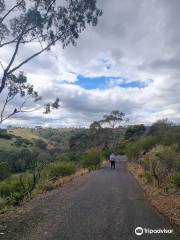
(4, 134)
(121, 147)
(15, 188)
(106, 153)
(40, 143)
(176, 179)
(109, 127)
(79, 142)
(3, 203)
(135, 148)
(148, 176)
(169, 157)
(61, 169)
(92, 158)
(158, 153)
(160, 126)
(113, 120)
(135, 131)
(4, 171)
(45, 22)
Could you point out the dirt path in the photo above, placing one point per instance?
(103, 205)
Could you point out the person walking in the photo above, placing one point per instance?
(113, 160)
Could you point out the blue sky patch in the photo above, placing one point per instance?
(103, 82)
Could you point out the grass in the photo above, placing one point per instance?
(6, 144)
(167, 204)
(26, 133)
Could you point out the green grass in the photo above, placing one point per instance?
(6, 144)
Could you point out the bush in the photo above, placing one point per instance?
(133, 150)
(133, 132)
(176, 180)
(40, 143)
(148, 177)
(169, 157)
(92, 159)
(106, 153)
(4, 134)
(61, 169)
(18, 141)
(3, 203)
(15, 188)
(148, 142)
(4, 171)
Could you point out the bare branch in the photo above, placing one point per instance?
(7, 43)
(5, 103)
(10, 10)
(33, 56)
(2, 65)
(21, 111)
(23, 103)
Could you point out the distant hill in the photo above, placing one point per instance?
(27, 133)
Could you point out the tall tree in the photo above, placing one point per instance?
(114, 119)
(44, 22)
(106, 129)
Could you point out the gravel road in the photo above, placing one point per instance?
(103, 205)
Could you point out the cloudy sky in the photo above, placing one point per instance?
(129, 62)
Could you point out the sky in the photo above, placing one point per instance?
(129, 62)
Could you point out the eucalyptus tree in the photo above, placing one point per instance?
(109, 128)
(40, 22)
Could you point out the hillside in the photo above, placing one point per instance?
(27, 133)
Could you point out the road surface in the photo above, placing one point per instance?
(103, 205)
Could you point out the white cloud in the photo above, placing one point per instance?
(139, 40)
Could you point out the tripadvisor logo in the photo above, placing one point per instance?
(139, 231)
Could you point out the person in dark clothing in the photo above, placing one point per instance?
(113, 160)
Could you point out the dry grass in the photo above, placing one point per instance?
(167, 204)
(26, 133)
(81, 172)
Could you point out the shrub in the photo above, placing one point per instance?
(15, 188)
(3, 203)
(40, 143)
(92, 159)
(176, 179)
(4, 134)
(18, 141)
(61, 169)
(133, 150)
(169, 157)
(148, 176)
(106, 153)
(148, 142)
(4, 171)
(133, 132)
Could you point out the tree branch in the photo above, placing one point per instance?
(5, 103)
(10, 10)
(33, 56)
(20, 111)
(2, 65)
(7, 43)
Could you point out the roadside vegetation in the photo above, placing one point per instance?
(154, 159)
(39, 159)
(36, 160)
(157, 151)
